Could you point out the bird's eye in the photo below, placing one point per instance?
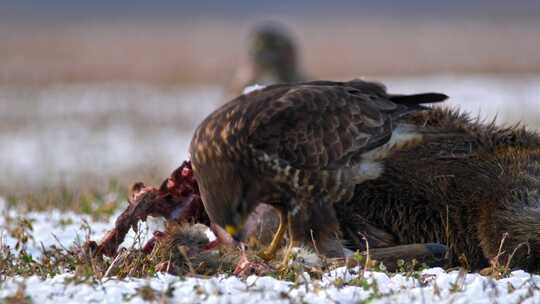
(240, 207)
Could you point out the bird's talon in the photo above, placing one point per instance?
(266, 255)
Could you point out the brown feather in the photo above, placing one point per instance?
(300, 147)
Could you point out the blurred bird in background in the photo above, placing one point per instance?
(273, 58)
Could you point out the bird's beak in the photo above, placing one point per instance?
(235, 232)
(232, 230)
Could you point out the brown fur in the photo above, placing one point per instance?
(464, 191)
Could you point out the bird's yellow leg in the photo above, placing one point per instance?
(292, 243)
(270, 252)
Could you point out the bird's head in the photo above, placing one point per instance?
(272, 47)
(223, 192)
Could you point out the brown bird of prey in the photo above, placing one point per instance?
(300, 148)
(273, 58)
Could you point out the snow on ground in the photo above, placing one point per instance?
(431, 285)
(65, 229)
(55, 134)
(437, 287)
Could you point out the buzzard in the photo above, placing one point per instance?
(299, 148)
(273, 58)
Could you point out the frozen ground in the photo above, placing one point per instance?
(72, 134)
(61, 229)
(69, 134)
(435, 286)
(431, 285)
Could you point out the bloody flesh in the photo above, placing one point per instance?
(177, 199)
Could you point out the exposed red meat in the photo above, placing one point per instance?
(177, 199)
(245, 267)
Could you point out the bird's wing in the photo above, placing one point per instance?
(322, 127)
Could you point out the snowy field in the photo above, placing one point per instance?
(76, 134)
(427, 286)
(435, 286)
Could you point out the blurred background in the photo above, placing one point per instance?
(100, 93)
